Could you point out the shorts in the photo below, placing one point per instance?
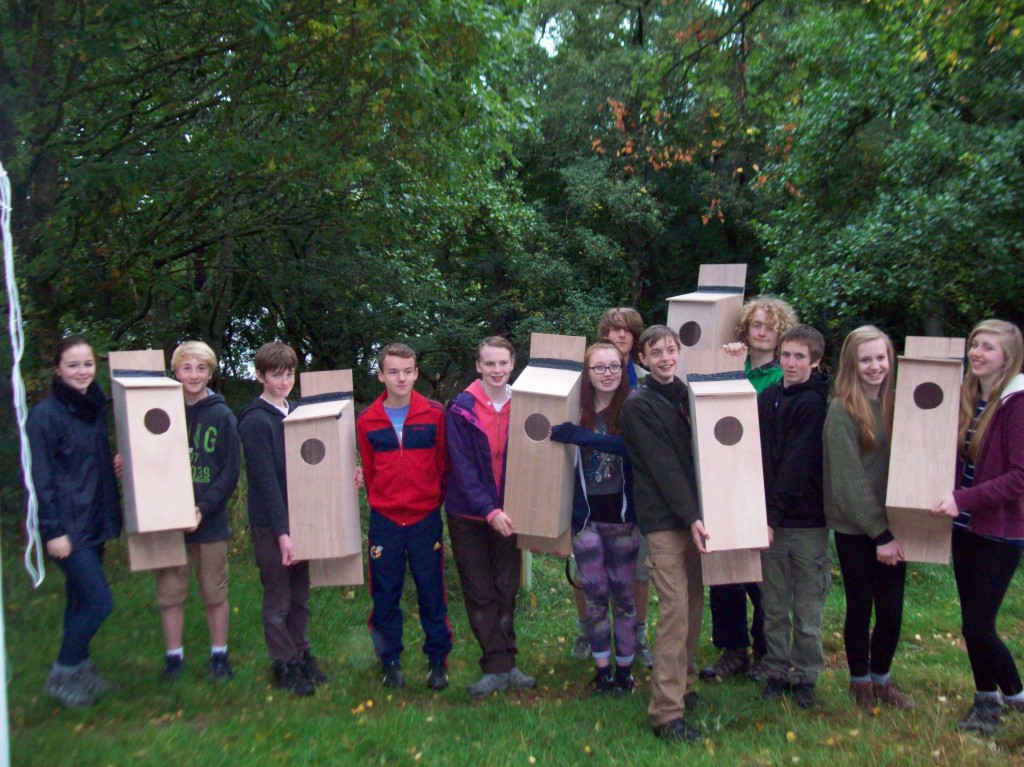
(211, 564)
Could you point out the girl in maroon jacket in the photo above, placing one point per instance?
(987, 508)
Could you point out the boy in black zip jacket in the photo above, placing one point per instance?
(285, 579)
(656, 427)
(216, 463)
(795, 567)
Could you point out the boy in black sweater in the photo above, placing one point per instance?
(795, 567)
(285, 580)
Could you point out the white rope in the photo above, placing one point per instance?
(34, 549)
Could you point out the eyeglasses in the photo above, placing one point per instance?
(602, 369)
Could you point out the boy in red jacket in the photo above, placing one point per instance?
(402, 445)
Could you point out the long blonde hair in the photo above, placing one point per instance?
(848, 391)
(1013, 347)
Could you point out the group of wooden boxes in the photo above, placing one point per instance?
(321, 450)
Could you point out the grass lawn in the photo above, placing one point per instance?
(352, 721)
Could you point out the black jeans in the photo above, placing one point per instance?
(729, 617)
(870, 585)
(983, 570)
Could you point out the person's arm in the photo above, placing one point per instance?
(847, 481)
(570, 433)
(649, 444)
(258, 442)
(215, 494)
(441, 456)
(52, 526)
(465, 474)
(365, 455)
(1008, 487)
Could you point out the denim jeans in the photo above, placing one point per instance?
(89, 602)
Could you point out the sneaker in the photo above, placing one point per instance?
(803, 694)
(393, 676)
(94, 681)
(220, 666)
(691, 700)
(520, 680)
(69, 688)
(729, 663)
(983, 717)
(487, 684)
(288, 676)
(581, 648)
(677, 729)
(758, 671)
(1013, 705)
(437, 677)
(173, 666)
(775, 689)
(863, 695)
(311, 669)
(602, 681)
(891, 695)
(624, 683)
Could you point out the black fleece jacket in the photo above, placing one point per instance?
(216, 463)
(791, 420)
(261, 427)
(656, 426)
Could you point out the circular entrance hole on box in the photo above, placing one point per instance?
(689, 333)
(537, 427)
(729, 431)
(156, 421)
(312, 451)
(928, 396)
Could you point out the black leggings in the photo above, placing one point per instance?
(870, 584)
(983, 570)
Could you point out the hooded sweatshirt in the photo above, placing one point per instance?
(477, 448)
(216, 463)
(261, 428)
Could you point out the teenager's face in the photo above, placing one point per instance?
(662, 359)
(606, 381)
(761, 335)
(623, 340)
(194, 375)
(277, 384)
(986, 356)
(398, 374)
(872, 366)
(796, 363)
(494, 364)
(77, 367)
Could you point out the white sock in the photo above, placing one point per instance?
(218, 649)
(179, 653)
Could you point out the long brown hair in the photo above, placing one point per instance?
(588, 413)
(1013, 347)
(847, 388)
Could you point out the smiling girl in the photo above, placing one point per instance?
(79, 511)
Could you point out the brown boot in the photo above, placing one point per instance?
(863, 695)
(890, 695)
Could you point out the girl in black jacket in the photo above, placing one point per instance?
(79, 510)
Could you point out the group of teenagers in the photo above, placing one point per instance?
(636, 515)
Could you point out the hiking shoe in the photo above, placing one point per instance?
(311, 669)
(691, 699)
(602, 681)
(803, 694)
(69, 688)
(437, 677)
(624, 683)
(643, 649)
(220, 666)
(891, 695)
(581, 648)
(288, 676)
(173, 666)
(487, 684)
(1013, 705)
(758, 671)
(520, 680)
(983, 716)
(94, 681)
(863, 695)
(775, 689)
(677, 729)
(729, 663)
(393, 676)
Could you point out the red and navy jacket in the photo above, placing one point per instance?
(405, 479)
